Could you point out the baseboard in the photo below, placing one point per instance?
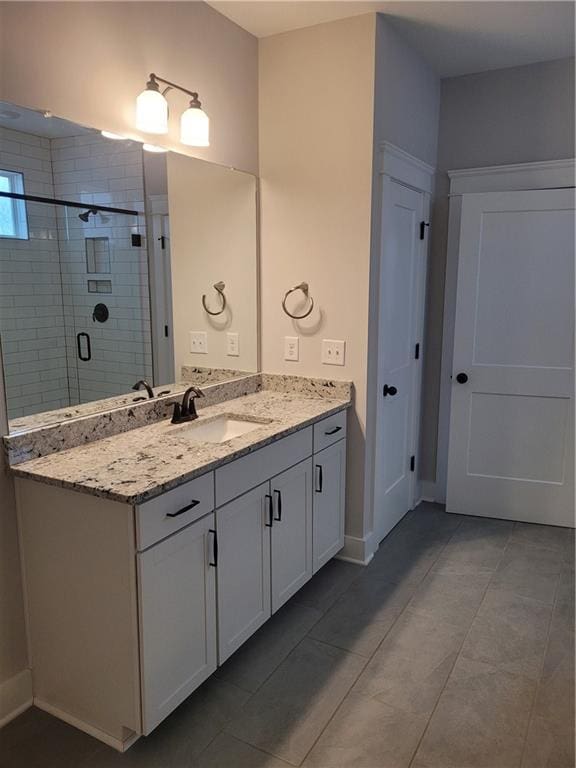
(428, 491)
(117, 744)
(15, 696)
(358, 551)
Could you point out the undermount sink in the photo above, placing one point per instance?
(220, 429)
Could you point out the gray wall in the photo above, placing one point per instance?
(406, 95)
(517, 115)
(406, 113)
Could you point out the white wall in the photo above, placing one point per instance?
(316, 116)
(516, 115)
(213, 238)
(91, 59)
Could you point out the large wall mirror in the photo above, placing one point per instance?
(118, 265)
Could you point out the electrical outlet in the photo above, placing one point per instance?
(232, 345)
(199, 342)
(291, 348)
(333, 351)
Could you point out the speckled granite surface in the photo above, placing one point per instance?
(201, 376)
(74, 432)
(135, 466)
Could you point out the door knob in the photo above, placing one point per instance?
(462, 378)
(389, 390)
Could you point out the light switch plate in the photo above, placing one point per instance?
(291, 348)
(333, 351)
(232, 345)
(199, 342)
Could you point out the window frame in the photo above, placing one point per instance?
(18, 207)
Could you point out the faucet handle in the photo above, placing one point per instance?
(177, 413)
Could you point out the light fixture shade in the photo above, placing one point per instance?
(153, 148)
(195, 127)
(152, 112)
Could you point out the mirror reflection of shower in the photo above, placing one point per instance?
(72, 237)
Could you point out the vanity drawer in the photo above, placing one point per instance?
(160, 517)
(329, 430)
(241, 475)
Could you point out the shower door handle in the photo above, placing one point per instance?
(88, 355)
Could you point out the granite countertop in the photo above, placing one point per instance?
(137, 465)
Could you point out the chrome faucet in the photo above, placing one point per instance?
(142, 384)
(186, 411)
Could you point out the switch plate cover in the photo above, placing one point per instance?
(333, 351)
(291, 348)
(232, 345)
(199, 342)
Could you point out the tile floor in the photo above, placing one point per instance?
(454, 648)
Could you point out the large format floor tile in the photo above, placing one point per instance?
(253, 664)
(227, 752)
(480, 720)
(360, 619)
(476, 548)
(326, 586)
(411, 666)
(510, 632)
(450, 598)
(366, 733)
(290, 711)
(529, 571)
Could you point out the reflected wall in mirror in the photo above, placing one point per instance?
(93, 300)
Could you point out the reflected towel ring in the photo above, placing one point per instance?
(305, 290)
(219, 288)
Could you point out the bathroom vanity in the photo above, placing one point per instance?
(152, 555)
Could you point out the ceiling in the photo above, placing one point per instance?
(33, 121)
(456, 38)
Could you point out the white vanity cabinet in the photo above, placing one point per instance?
(243, 569)
(131, 608)
(177, 598)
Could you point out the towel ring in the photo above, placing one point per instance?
(305, 290)
(219, 288)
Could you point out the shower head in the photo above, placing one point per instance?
(86, 215)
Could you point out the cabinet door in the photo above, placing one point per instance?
(243, 568)
(177, 618)
(329, 502)
(291, 531)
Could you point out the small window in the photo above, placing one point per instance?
(13, 221)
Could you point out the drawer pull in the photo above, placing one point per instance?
(333, 431)
(278, 506)
(320, 479)
(269, 510)
(214, 561)
(193, 503)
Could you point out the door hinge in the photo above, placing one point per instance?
(417, 352)
(166, 331)
(162, 240)
(423, 225)
(412, 463)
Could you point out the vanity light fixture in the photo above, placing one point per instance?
(153, 148)
(152, 113)
(113, 136)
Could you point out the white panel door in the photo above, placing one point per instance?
(329, 503)
(177, 619)
(243, 527)
(291, 552)
(401, 275)
(512, 413)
